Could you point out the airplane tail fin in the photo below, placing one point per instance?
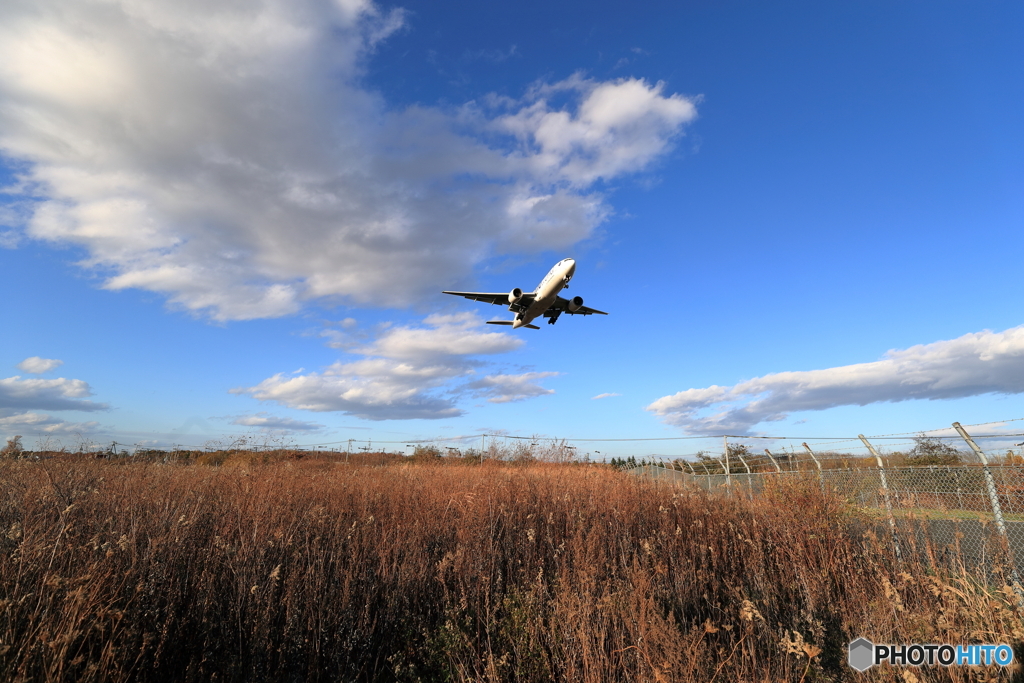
(509, 323)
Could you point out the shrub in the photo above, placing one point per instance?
(930, 451)
(13, 449)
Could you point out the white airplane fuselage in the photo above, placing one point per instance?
(547, 291)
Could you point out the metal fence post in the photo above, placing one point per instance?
(742, 460)
(774, 461)
(885, 490)
(959, 490)
(750, 482)
(993, 496)
(728, 470)
(821, 477)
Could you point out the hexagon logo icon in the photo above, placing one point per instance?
(861, 655)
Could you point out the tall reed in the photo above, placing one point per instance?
(309, 571)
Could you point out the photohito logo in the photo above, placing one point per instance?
(864, 654)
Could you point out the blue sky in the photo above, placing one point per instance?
(803, 218)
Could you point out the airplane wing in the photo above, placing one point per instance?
(497, 298)
(562, 306)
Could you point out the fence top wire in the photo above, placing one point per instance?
(449, 439)
(818, 441)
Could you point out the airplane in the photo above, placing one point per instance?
(543, 301)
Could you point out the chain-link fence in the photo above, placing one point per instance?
(952, 510)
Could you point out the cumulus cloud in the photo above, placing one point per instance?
(619, 127)
(20, 398)
(508, 388)
(41, 424)
(17, 395)
(447, 335)
(594, 398)
(228, 157)
(377, 389)
(264, 421)
(978, 363)
(407, 372)
(37, 366)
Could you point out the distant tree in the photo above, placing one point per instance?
(707, 463)
(931, 451)
(739, 452)
(426, 451)
(714, 463)
(13, 449)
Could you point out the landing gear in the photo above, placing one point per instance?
(554, 317)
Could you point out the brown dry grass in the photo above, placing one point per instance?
(305, 570)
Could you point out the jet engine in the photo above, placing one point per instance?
(575, 304)
(515, 295)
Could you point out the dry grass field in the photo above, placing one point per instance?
(321, 571)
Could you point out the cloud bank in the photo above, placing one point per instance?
(21, 398)
(264, 421)
(41, 424)
(509, 388)
(229, 158)
(408, 372)
(979, 363)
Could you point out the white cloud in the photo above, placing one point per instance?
(406, 373)
(619, 127)
(508, 388)
(37, 366)
(264, 421)
(448, 335)
(41, 424)
(373, 389)
(227, 157)
(594, 398)
(20, 398)
(18, 395)
(974, 364)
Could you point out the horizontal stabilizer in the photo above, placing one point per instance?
(509, 322)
